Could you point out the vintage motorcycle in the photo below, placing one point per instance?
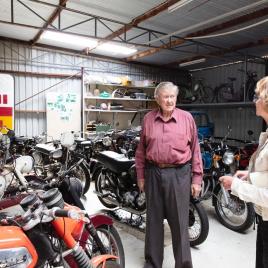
(50, 158)
(116, 186)
(218, 160)
(48, 233)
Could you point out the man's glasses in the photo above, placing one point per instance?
(256, 98)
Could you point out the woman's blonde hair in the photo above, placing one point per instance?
(262, 89)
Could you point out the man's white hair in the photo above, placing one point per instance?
(165, 85)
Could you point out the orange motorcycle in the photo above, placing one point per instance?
(48, 233)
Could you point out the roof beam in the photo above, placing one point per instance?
(54, 15)
(145, 16)
(221, 52)
(231, 23)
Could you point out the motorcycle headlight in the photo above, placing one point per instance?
(228, 158)
(107, 141)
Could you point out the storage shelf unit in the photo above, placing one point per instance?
(216, 105)
(117, 118)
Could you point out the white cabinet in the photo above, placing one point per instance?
(116, 105)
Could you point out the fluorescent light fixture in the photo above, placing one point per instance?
(178, 5)
(116, 49)
(68, 39)
(187, 63)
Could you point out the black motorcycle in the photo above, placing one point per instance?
(57, 156)
(116, 186)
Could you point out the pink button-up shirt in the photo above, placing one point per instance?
(171, 142)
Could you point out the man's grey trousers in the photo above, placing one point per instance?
(167, 196)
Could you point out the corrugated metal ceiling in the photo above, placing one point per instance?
(195, 16)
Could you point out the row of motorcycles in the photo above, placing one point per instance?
(49, 179)
(43, 222)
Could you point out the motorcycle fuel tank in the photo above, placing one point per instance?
(16, 249)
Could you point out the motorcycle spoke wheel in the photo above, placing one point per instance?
(111, 241)
(110, 264)
(237, 215)
(198, 224)
(81, 173)
(103, 187)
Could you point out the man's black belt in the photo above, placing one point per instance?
(165, 165)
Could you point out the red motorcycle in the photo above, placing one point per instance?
(245, 152)
(49, 233)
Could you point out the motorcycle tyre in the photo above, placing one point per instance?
(240, 228)
(110, 264)
(111, 233)
(204, 224)
(97, 187)
(86, 183)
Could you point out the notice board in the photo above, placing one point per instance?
(63, 113)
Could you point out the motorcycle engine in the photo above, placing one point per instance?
(134, 199)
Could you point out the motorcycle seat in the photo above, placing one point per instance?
(114, 161)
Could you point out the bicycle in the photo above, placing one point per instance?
(199, 93)
(226, 92)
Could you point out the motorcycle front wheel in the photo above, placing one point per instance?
(110, 264)
(198, 224)
(238, 215)
(82, 173)
(112, 242)
(104, 188)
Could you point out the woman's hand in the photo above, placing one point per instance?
(241, 174)
(226, 181)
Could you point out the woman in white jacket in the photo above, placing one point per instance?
(252, 185)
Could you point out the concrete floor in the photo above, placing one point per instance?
(223, 247)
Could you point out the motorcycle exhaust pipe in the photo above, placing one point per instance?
(120, 205)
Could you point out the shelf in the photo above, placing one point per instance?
(30, 111)
(217, 105)
(130, 87)
(117, 111)
(120, 99)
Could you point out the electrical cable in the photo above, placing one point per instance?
(229, 32)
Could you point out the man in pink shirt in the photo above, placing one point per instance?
(169, 169)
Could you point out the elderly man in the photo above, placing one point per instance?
(169, 169)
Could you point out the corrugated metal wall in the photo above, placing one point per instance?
(242, 118)
(30, 117)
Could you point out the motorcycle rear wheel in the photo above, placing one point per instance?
(198, 224)
(239, 216)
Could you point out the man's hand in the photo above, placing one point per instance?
(141, 185)
(195, 190)
(226, 181)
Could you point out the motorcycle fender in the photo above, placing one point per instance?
(101, 219)
(101, 260)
